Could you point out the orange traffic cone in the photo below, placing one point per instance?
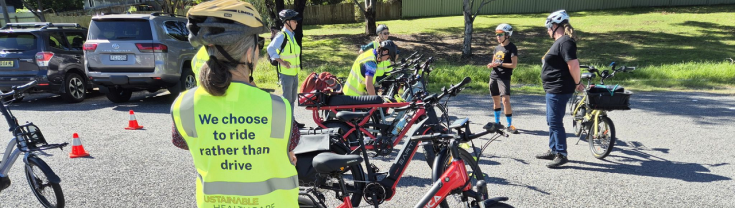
(133, 124)
(77, 150)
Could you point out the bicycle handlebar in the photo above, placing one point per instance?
(489, 128)
(19, 89)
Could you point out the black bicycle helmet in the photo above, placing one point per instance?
(391, 47)
(288, 14)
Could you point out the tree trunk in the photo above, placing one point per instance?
(467, 45)
(370, 17)
(299, 6)
(40, 12)
(33, 10)
(279, 6)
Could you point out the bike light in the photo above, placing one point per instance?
(42, 58)
(152, 47)
(90, 47)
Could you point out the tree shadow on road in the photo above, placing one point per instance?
(650, 165)
(501, 181)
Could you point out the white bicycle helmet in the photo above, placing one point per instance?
(556, 17)
(506, 28)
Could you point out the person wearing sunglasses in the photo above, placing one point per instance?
(383, 35)
(363, 75)
(505, 59)
(560, 75)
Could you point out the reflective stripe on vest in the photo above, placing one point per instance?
(239, 134)
(291, 53)
(355, 85)
(250, 188)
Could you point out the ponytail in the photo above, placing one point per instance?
(216, 76)
(569, 30)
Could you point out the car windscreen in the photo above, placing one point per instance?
(17, 41)
(120, 29)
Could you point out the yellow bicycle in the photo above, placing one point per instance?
(589, 110)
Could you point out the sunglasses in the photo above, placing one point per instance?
(500, 34)
(261, 42)
(386, 33)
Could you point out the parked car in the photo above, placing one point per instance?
(131, 52)
(48, 52)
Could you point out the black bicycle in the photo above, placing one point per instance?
(27, 140)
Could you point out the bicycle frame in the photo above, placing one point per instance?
(11, 152)
(593, 115)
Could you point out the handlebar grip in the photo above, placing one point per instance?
(464, 82)
(25, 86)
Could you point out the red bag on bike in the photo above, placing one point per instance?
(316, 85)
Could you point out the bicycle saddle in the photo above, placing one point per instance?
(347, 116)
(330, 162)
(335, 100)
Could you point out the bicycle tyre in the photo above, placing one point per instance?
(39, 185)
(474, 170)
(606, 142)
(356, 171)
(500, 205)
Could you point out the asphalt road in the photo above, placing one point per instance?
(674, 150)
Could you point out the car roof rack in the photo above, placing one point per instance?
(162, 13)
(42, 25)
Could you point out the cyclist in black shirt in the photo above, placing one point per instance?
(505, 59)
(560, 75)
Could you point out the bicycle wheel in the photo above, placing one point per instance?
(48, 193)
(475, 173)
(353, 177)
(602, 141)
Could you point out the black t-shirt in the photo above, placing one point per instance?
(504, 53)
(555, 72)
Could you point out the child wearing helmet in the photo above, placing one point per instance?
(560, 75)
(505, 59)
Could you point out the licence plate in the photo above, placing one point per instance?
(118, 57)
(6, 63)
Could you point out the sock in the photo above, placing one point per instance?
(497, 115)
(509, 117)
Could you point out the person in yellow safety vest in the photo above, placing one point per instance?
(289, 59)
(240, 137)
(362, 76)
(383, 35)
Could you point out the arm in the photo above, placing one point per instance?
(511, 65)
(574, 70)
(275, 44)
(293, 141)
(364, 48)
(370, 69)
(177, 139)
(569, 53)
(369, 85)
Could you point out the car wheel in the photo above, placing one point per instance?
(75, 89)
(118, 95)
(187, 81)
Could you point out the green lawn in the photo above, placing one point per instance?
(679, 48)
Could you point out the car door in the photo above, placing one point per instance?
(76, 39)
(177, 37)
(61, 55)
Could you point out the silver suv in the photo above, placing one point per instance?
(130, 52)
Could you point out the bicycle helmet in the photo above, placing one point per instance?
(556, 17)
(288, 14)
(391, 47)
(381, 28)
(504, 28)
(218, 22)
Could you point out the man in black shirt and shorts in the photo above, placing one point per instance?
(505, 59)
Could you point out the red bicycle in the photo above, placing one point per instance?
(453, 178)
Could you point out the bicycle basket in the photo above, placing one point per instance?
(618, 100)
(31, 136)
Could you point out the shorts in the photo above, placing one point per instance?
(499, 87)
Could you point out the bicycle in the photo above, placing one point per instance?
(28, 140)
(589, 112)
(453, 178)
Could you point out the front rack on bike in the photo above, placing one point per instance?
(31, 139)
(607, 99)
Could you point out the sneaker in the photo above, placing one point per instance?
(548, 155)
(558, 161)
(512, 129)
(300, 125)
(4, 183)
